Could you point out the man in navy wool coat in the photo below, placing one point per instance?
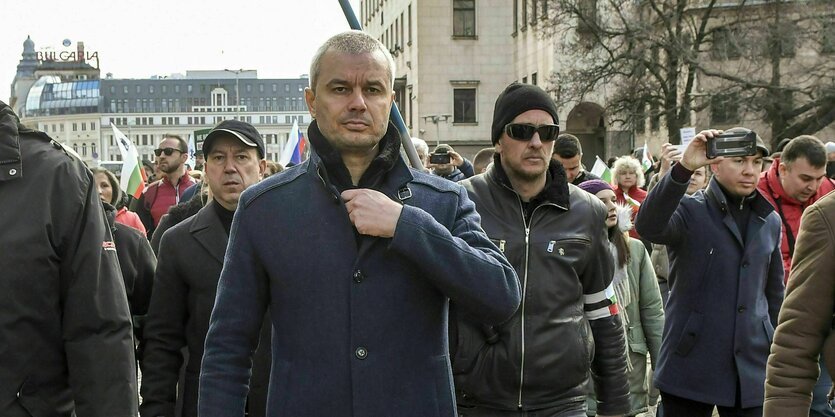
(357, 258)
(726, 282)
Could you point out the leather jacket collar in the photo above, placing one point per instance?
(556, 183)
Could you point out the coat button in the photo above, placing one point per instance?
(358, 276)
(361, 353)
(745, 264)
(741, 309)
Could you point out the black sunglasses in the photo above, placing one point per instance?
(167, 151)
(525, 131)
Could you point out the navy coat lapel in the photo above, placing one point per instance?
(718, 197)
(209, 233)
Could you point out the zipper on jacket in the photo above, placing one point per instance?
(524, 293)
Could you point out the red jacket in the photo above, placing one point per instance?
(636, 194)
(789, 209)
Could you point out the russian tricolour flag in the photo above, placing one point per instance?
(294, 148)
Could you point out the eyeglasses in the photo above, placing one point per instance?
(166, 151)
(525, 131)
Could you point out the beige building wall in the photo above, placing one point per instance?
(436, 62)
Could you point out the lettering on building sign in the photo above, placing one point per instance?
(67, 56)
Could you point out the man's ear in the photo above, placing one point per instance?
(310, 99)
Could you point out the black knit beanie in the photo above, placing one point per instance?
(517, 99)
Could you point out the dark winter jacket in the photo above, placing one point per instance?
(136, 261)
(66, 345)
(560, 251)
(360, 321)
(190, 260)
(174, 216)
(726, 288)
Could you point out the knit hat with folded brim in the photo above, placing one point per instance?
(517, 99)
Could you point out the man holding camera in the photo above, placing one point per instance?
(445, 162)
(726, 281)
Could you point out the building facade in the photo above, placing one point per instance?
(70, 102)
(453, 59)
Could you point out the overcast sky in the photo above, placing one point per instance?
(138, 39)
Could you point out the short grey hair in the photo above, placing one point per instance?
(420, 145)
(350, 42)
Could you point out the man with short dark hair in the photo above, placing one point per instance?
(357, 258)
(569, 153)
(796, 180)
(541, 361)
(159, 196)
(190, 261)
(726, 282)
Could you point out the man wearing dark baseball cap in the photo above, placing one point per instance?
(190, 260)
(554, 235)
(243, 131)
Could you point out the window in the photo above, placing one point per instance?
(726, 44)
(75, 127)
(61, 126)
(640, 118)
(410, 24)
(655, 118)
(463, 18)
(524, 14)
(724, 109)
(112, 89)
(177, 89)
(164, 89)
(828, 37)
(286, 88)
(544, 14)
(138, 89)
(464, 105)
(83, 126)
(125, 89)
(189, 88)
(92, 126)
(533, 79)
(260, 88)
(275, 88)
(515, 16)
(83, 149)
(525, 79)
(784, 38)
(534, 11)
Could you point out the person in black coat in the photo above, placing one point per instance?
(137, 262)
(66, 346)
(190, 261)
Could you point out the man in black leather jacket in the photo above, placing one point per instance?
(553, 234)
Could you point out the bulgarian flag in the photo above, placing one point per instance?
(133, 176)
(601, 170)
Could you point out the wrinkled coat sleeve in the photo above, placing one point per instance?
(805, 318)
(146, 264)
(97, 330)
(234, 328)
(470, 269)
(164, 335)
(660, 219)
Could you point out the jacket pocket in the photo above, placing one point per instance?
(690, 334)
(769, 330)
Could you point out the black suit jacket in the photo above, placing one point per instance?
(188, 268)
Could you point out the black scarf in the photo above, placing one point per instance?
(336, 171)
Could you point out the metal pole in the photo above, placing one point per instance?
(395, 117)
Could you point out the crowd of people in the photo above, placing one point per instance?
(515, 284)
